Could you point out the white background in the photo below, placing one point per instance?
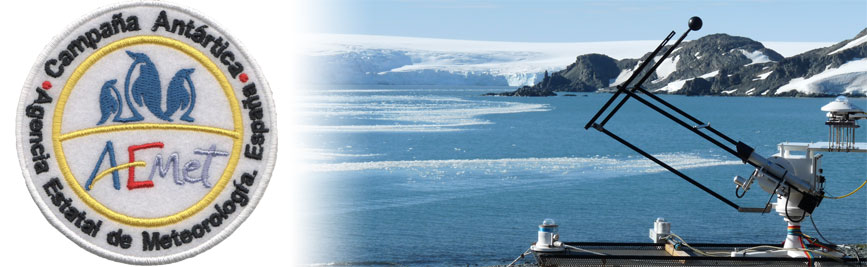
(272, 34)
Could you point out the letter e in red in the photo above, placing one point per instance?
(131, 183)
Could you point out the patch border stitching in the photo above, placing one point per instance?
(56, 223)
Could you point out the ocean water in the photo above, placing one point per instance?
(443, 176)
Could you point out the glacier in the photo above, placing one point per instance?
(375, 59)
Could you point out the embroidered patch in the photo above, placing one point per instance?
(145, 133)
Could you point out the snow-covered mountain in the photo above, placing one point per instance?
(720, 64)
(370, 59)
(844, 71)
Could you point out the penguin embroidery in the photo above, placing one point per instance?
(146, 91)
(109, 103)
(178, 97)
(146, 88)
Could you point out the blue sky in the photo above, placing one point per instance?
(583, 21)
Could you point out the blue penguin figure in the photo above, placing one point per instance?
(146, 89)
(178, 97)
(109, 103)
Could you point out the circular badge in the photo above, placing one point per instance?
(145, 133)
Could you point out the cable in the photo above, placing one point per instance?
(787, 208)
(584, 250)
(815, 242)
(695, 249)
(820, 233)
(846, 195)
(828, 255)
(756, 248)
(519, 258)
(772, 195)
(806, 253)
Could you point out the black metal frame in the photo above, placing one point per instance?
(740, 149)
(543, 258)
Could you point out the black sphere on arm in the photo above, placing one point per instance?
(694, 23)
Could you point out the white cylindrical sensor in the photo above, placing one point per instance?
(547, 230)
(661, 227)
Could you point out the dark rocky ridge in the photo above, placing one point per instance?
(588, 73)
(736, 74)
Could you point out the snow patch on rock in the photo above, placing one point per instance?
(667, 67)
(849, 78)
(853, 43)
(763, 76)
(672, 86)
(624, 75)
(709, 74)
(756, 56)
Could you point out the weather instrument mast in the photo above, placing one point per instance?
(796, 179)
